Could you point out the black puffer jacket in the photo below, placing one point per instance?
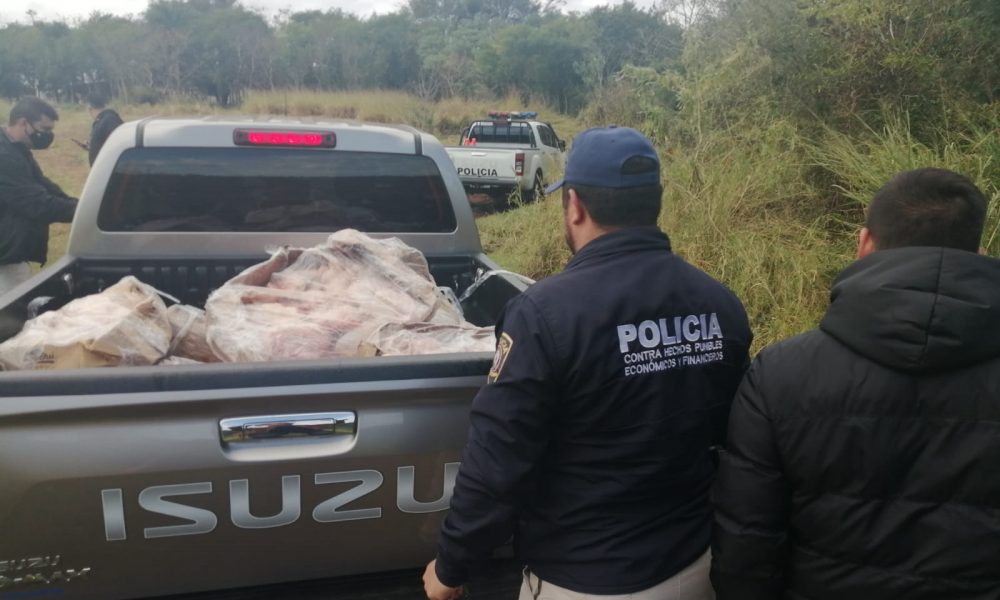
(863, 459)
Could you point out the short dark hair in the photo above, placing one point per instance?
(928, 207)
(97, 101)
(32, 109)
(619, 207)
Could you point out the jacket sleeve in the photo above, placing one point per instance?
(34, 198)
(508, 432)
(751, 500)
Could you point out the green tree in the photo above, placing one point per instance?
(550, 61)
(627, 35)
(117, 59)
(447, 66)
(510, 11)
(838, 60)
(213, 47)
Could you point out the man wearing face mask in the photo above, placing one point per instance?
(29, 201)
(590, 443)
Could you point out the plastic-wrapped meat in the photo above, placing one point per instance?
(394, 339)
(323, 301)
(178, 361)
(125, 324)
(190, 330)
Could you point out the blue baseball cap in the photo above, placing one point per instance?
(610, 157)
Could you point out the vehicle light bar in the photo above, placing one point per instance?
(506, 114)
(270, 137)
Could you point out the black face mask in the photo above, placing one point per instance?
(40, 139)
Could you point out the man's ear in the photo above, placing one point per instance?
(866, 243)
(576, 212)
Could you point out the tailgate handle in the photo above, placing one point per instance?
(479, 154)
(241, 430)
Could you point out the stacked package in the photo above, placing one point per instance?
(125, 324)
(351, 296)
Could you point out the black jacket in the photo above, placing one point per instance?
(863, 459)
(28, 203)
(591, 442)
(106, 121)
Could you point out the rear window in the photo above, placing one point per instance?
(274, 189)
(502, 133)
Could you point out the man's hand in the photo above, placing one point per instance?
(436, 590)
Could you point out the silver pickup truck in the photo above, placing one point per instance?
(309, 479)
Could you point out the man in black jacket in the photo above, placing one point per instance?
(863, 459)
(29, 201)
(105, 119)
(590, 442)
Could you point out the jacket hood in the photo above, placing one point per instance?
(918, 308)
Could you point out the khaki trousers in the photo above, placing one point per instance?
(692, 583)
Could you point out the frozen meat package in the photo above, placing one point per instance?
(329, 300)
(126, 324)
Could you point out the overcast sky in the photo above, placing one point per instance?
(14, 10)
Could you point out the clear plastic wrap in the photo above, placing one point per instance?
(125, 324)
(483, 277)
(323, 301)
(178, 361)
(394, 339)
(190, 330)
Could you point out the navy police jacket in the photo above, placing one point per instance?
(590, 443)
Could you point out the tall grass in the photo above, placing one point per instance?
(446, 118)
(529, 239)
(769, 212)
(741, 207)
(859, 166)
(736, 206)
(377, 106)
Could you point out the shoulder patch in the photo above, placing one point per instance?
(504, 344)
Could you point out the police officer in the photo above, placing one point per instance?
(590, 443)
(29, 201)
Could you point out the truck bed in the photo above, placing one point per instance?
(121, 482)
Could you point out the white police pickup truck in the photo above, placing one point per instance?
(509, 152)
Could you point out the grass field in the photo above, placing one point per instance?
(771, 213)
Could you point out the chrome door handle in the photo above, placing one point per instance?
(240, 430)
